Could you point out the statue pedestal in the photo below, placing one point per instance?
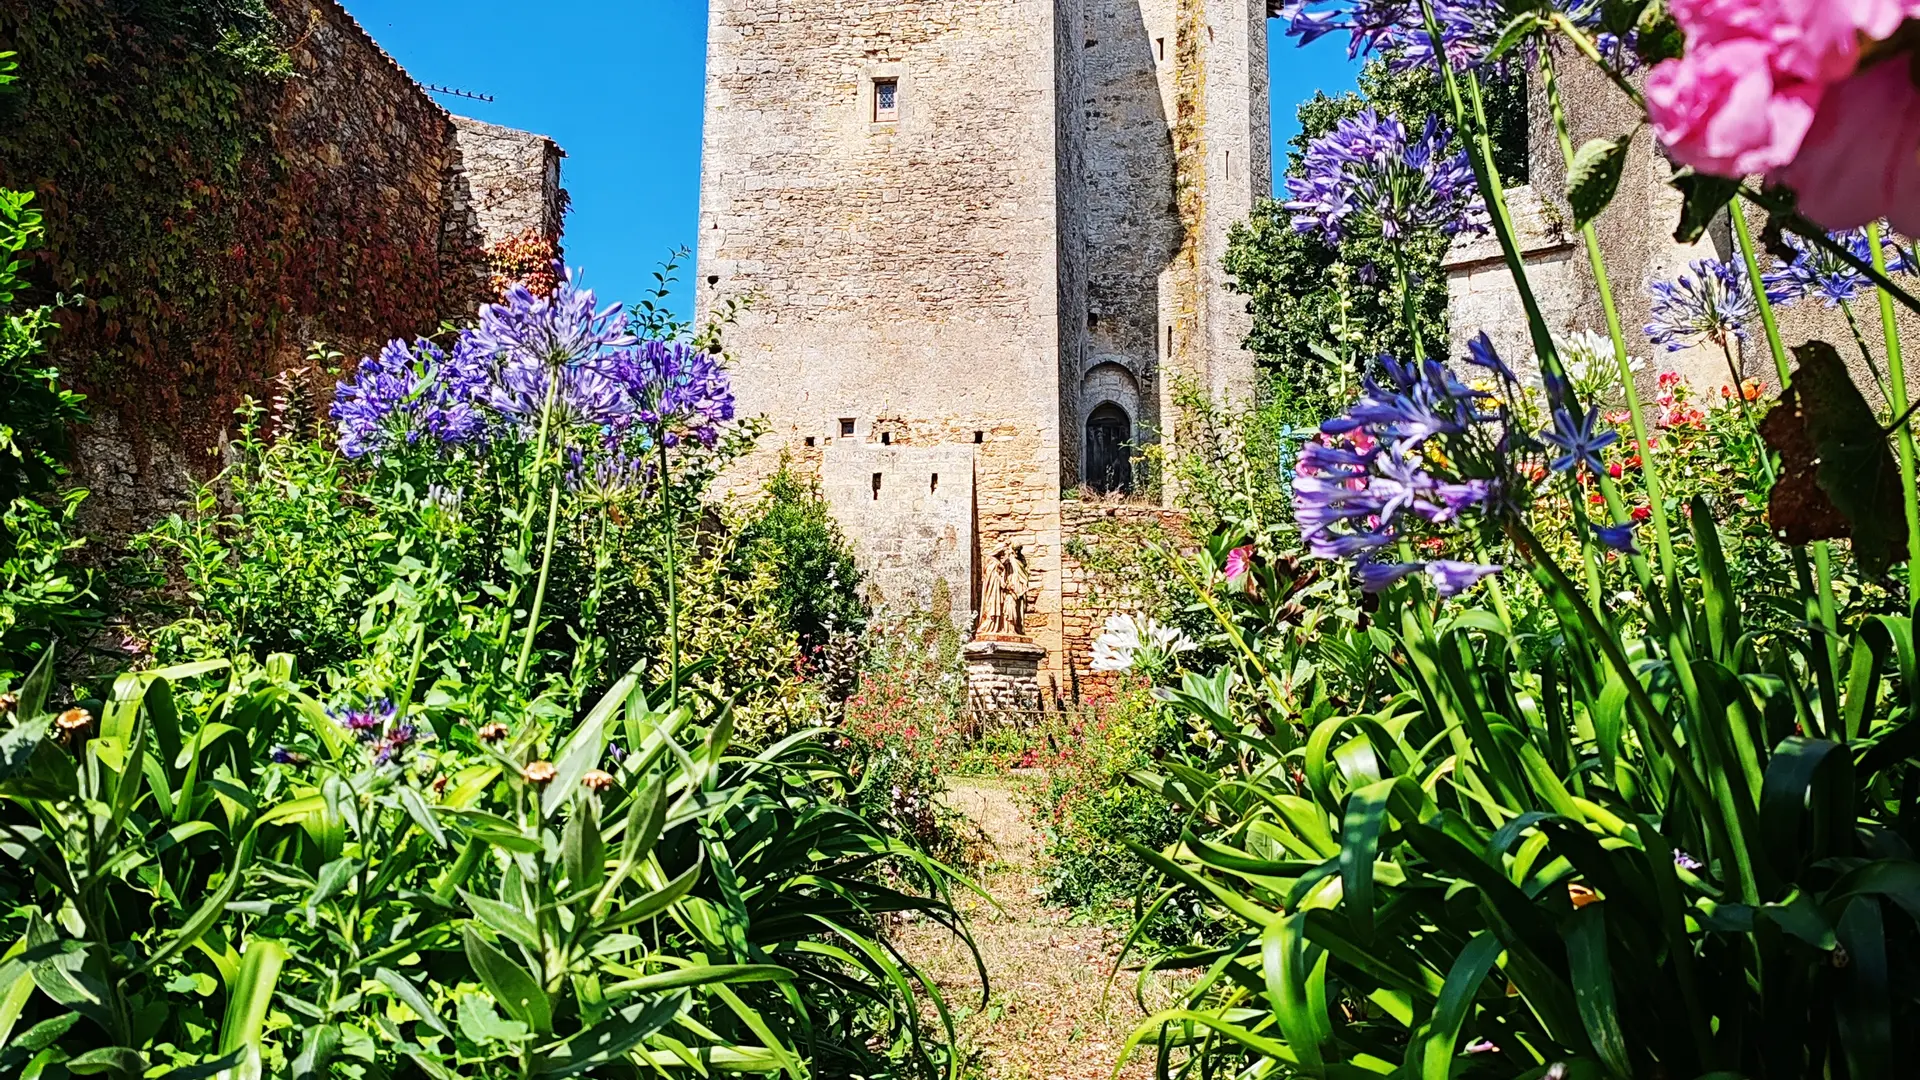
(1003, 677)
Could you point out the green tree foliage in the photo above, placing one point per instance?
(1317, 310)
(792, 531)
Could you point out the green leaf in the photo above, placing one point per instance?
(1864, 1007)
(410, 994)
(503, 918)
(583, 852)
(416, 807)
(1284, 963)
(252, 996)
(612, 1037)
(60, 971)
(1702, 199)
(120, 1061)
(33, 692)
(1838, 478)
(1516, 32)
(480, 1023)
(510, 984)
(1359, 844)
(1592, 977)
(1470, 969)
(1594, 177)
(317, 1048)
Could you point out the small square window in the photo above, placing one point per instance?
(886, 438)
(886, 100)
(979, 436)
(846, 427)
(876, 486)
(810, 440)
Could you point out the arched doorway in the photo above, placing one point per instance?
(1108, 465)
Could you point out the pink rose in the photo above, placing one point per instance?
(1861, 162)
(1818, 40)
(1722, 110)
(1239, 561)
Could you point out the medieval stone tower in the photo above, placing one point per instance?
(979, 242)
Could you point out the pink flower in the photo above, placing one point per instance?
(1862, 160)
(1722, 110)
(1756, 75)
(1239, 561)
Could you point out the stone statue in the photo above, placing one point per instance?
(1003, 592)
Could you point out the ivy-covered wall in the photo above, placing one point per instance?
(225, 182)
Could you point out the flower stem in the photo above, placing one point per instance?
(540, 589)
(673, 595)
(1860, 339)
(1649, 466)
(1897, 369)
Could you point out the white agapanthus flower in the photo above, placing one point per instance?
(1589, 359)
(1129, 639)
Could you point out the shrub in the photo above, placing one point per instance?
(1511, 784)
(449, 852)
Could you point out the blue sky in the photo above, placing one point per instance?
(618, 83)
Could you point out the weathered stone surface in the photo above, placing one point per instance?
(1003, 679)
(1037, 233)
(371, 164)
(1635, 234)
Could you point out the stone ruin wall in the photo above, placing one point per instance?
(1635, 234)
(902, 274)
(437, 188)
(1088, 596)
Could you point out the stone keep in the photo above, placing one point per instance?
(978, 239)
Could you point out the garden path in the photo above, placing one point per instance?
(1053, 1013)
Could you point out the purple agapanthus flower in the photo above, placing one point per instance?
(367, 722)
(1815, 271)
(588, 394)
(609, 474)
(1581, 439)
(1397, 29)
(1368, 178)
(678, 392)
(1481, 353)
(564, 329)
(409, 393)
(1712, 304)
(1451, 577)
(1353, 487)
(1618, 537)
(1376, 576)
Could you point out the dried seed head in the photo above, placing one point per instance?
(1582, 896)
(493, 733)
(538, 772)
(597, 780)
(9, 702)
(74, 720)
(439, 784)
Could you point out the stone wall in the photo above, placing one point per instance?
(908, 511)
(355, 221)
(1035, 235)
(1635, 234)
(509, 178)
(1089, 598)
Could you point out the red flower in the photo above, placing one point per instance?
(1642, 513)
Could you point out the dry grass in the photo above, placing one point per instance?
(1053, 1014)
